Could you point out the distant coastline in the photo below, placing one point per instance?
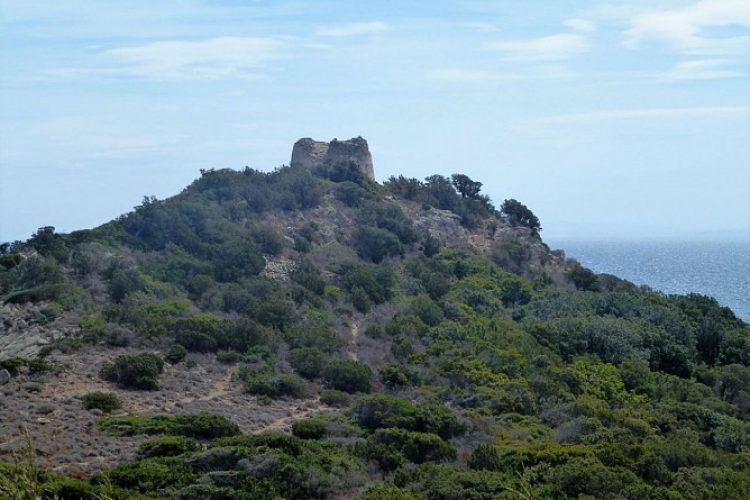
(720, 269)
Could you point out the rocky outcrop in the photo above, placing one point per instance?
(25, 329)
(309, 153)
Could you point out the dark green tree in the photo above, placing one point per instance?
(467, 187)
(519, 214)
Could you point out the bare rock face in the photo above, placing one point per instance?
(24, 330)
(309, 153)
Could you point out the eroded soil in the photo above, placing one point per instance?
(66, 437)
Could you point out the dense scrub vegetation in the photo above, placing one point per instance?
(494, 381)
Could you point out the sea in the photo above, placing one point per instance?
(718, 269)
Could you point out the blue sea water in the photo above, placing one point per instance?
(718, 269)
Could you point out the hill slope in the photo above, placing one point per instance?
(418, 342)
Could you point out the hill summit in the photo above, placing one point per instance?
(308, 332)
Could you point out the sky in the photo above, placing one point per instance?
(610, 119)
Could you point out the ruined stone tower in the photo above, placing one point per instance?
(309, 153)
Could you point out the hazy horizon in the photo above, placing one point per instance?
(608, 119)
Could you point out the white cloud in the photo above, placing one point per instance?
(468, 75)
(705, 69)
(546, 48)
(480, 27)
(626, 114)
(353, 29)
(580, 25)
(213, 58)
(685, 29)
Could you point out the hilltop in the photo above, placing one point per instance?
(309, 332)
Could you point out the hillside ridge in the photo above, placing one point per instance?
(311, 333)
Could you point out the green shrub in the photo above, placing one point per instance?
(92, 328)
(104, 401)
(302, 245)
(268, 240)
(135, 371)
(394, 446)
(41, 365)
(197, 425)
(430, 246)
(583, 278)
(175, 353)
(348, 376)
(378, 411)
(306, 274)
(376, 281)
(311, 428)
(13, 365)
(388, 491)
(153, 474)
(360, 300)
(308, 361)
(427, 310)
(166, 446)
(374, 244)
(337, 399)
(315, 335)
(263, 383)
(351, 194)
(228, 357)
(375, 331)
(485, 457)
(394, 375)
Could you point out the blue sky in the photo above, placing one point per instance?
(627, 119)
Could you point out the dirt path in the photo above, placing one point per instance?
(285, 423)
(355, 337)
(222, 387)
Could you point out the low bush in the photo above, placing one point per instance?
(228, 357)
(337, 399)
(134, 371)
(308, 361)
(418, 447)
(104, 401)
(394, 375)
(13, 365)
(175, 353)
(393, 447)
(348, 376)
(197, 425)
(379, 411)
(166, 446)
(388, 491)
(311, 428)
(264, 383)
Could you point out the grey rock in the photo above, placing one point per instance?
(4, 376)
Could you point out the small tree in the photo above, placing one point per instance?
(467, 187)
(519, 214)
